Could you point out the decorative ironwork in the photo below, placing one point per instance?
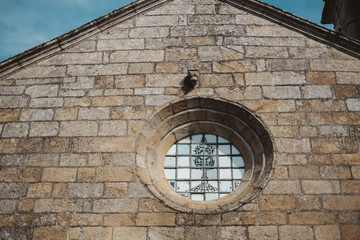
(204, 160)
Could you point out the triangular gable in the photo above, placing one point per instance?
(262, 10)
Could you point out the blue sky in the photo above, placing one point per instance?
(27, 23)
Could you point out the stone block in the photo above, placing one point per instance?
(15, 130)
(120, 44)
(331, 232)
(8, 145)
(231, 218)
(156, 21)
(167, 67)
(44, 129)
(103, 233)
(258, 78)
(283, 187)
(266, 52)
(296, 232)
(56, 145)
(200, 41)
(116, 190)
(115, 206)
(234, 66)
(26, 206)
(7, 206)
(152, 205)
(348, 78)
(115, 174)
(353, 104)
(335, 65)
(130, 233)
(308, 202)
(83, 46)
(137, 56)
(288, 78)
(59, 190)
(9, 115)
(97, 113)
(74, 220)
(129, 81)
(78, 128)
(96, 70)
(12, 190)
(304, 172)
(163, 233)
(216, 53)
(77, 102)
(40, 72)
(277, 202)
(320, 77)
(320, 187)
(85, 190)
(335, 172)
(294, 65)
(311, 218)
(346, 91)
(102, 82)
(59, 174)
(13, 101)
(86, 175)
(263, 232)
(45, 233)
(46, 102)
(285, 145)
(123, 219)
(350, 232)
(141, 68)
(40, 160)
(159, 100)
(11, 90)
(317, 91)
(346, 159)
(336, 202)
(104, 144)
(130, 112)
(239, 94)
(73, 58)
(36, 115)
(39, 190)
(42, 91)
(155, 219)
(164, 80)
(351, 186)
(176, 54)
(54, 205)
(281, 92)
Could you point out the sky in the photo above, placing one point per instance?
(25, 24)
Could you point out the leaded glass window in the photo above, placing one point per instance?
(204, 167)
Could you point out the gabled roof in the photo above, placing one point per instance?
(271, 13)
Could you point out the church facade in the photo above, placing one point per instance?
(183, 119)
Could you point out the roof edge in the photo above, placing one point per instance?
(312, 30)
(72, 37)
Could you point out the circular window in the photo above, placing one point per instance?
(204, 167)
(203, 155)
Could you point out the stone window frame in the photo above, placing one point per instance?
(197, 115)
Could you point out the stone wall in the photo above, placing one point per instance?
(70, 125)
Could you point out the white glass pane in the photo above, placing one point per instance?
(212, 174)
(197, 138)
(238, 173)
(183, 186)
(225, 186)
(224, 149)
(195, 183)
(170, 173)
(187, 195)
(196, 173)
(223, 140)
(170, 162)
(234, 150)
(213, 184)
(183, 162)
(183, 173)
(172, 150)
(238, 162)
(210, 138)
(185, 140)
(224, 161)
(183, 149)
(211, 196)
(197, 197)
(225, 173)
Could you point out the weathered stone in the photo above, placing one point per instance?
(54, 205)
(283, 187)
(85, 190)
(311, 218)
(9, 115)
(15, 130)
(13, 101)
(124, 219)
(296, 232)
(115, 174)
(95, 70)
(320, 77)
(120, 44)
(281, 92)
(155, 219)
(136, 56)
(115, 206)
(163, 233)
(42, 91)
(44, 233)
(277, 202)
(46, 102)
(40, 72)
(216, 53)
(104, 144)
(129, 233)
(56, 145)
(336, 202)
(317, 91)
(104, 233)
(44, 129)
(263, 232)
(234, 66)
(39, 190)
(59, 174)
(179, 53)
(78, 128)
(288, 78)
(7, 206)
